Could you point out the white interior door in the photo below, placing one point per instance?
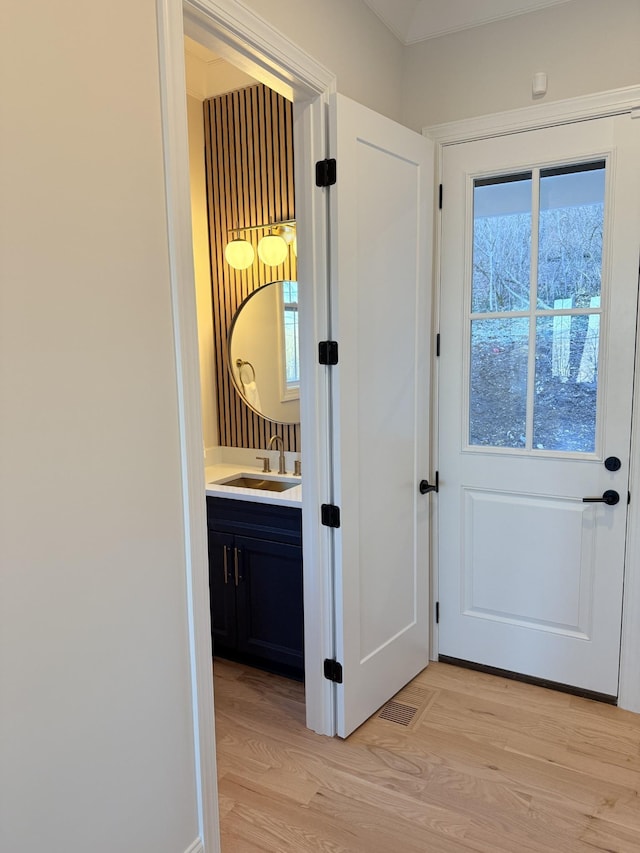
(381, 228)
(540, 238)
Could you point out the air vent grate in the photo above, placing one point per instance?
(398, 712)
(413, 695)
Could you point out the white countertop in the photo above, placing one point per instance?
(290, 497)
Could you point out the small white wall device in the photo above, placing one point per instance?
(539, 86)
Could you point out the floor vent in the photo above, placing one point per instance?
(413, 695)
(398, 712)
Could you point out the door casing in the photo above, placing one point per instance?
(616, 102)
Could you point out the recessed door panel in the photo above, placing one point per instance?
(523, 586)
(381, 215)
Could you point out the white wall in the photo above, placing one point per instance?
(206, 77)
(585, 46)
(348, 39)
(202, 270)
(97, 743)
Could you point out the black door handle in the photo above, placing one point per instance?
(425, 486)
(610, 497)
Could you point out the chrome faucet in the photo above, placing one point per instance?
(281, 463)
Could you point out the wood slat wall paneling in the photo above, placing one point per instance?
(249, 162)
(234, 295)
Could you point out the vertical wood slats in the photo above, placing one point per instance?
(249, 165)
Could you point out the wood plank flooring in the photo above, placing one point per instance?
(483, 764)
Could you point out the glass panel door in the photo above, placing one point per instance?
(540, 234)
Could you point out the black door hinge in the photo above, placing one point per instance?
(440, 197)
(438, 345)
(628, 498)
(437, 612)
(326, 172)
(333, 671)
(328, 352)
(330, 515)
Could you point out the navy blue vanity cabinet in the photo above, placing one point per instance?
(222, 579)
(255, 579)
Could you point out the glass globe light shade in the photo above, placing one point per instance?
(239, 254)
(287, 232)
(295, 246)
(272, 250)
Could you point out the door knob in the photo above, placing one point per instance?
(426, 487)
(610, 497)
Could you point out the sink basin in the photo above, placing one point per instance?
(247, 481)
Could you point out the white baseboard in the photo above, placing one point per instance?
(196, 847)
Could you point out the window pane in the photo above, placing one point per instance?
(571, 225)
(498, 393)
(290, 325)
(564, 415)
(292, 358)
(290, 292)
(501, 244)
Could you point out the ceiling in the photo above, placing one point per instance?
(418, 20)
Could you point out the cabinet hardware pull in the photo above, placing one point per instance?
(235, 560)
(226, 567)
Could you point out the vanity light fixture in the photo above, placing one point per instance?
(239, 254)
(272, 250)
(273, 247)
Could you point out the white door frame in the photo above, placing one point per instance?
(616, 102)
(236, 33)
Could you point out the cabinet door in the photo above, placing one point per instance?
(269, 601)
(222, 590)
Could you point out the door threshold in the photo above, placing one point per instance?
(530, 679)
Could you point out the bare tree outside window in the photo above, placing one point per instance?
(561, 308)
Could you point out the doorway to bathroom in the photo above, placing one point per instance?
(365, 519)
(245, 258)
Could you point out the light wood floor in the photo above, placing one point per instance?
(485, 764)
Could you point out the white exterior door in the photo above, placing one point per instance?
(539, 278)
(381, 226)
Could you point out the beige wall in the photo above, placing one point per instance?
(96, 740)
(202, 267)
(585, 46)
(348, 39)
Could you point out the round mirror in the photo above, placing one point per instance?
(264, 353)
